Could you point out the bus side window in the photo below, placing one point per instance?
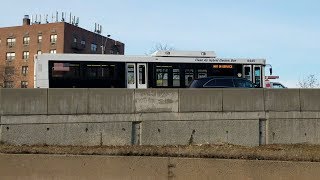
(247, 73)
(142, 74)
(202, 73)
(176, 77)
(162, 76)
(188, 76)
(130, 74)
(257, 76)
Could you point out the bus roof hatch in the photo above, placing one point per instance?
(203, 54)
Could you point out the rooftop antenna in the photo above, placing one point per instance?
(36, 21)
(77, 21)
(47, 19)
(40, 19)
(62, 19)
(57, 16)
(100, 29)
(31, 19)
(52, 18)
(95, 27)
(70, 18)
(74, 20)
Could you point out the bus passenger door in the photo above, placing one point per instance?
(257, 75)
(247, 72)
(142, 77)
(131, 75)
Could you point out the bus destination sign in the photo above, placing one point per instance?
(222, 66)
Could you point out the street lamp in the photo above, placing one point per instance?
(103, 46)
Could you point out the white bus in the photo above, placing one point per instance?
(163, 69)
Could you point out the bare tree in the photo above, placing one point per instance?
(9, 75)
(310, 81)
(160, 47)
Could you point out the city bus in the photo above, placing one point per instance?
(162, 69)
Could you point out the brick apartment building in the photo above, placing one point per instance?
(19, 44)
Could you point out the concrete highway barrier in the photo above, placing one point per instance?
(248, 117)
(34, 167)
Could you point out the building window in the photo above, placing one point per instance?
(39, 52)
(8, 84)
(53, 51)
(83, 42)
(24, 84)
(39, 38)
(24, 70)
(11, 41)
(9, 71)
(25, 55)
(26, 40)
(93, 47)
(75, 40)
(53, 38)
(11, 56)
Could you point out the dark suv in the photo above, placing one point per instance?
(221, 82)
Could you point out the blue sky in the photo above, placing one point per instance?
(286, 33)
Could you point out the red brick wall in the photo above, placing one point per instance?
(72, 32)
(66, 32)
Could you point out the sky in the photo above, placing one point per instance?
(286, 33)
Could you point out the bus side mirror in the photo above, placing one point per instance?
(270, 71)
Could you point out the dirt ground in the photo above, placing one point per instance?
(296, 152)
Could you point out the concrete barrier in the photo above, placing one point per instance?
(246, 100)
(85, 134)
(200, 100)
(309, 99)
(43, 167)
(60, 119)
(292, 131)
(23, 101)
(194, 168)
(282, 100)
(156, 100)
(70, 167)
(67, 101)
(104, 101)
(200, 132)
(159, 116)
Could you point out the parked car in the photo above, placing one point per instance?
(221, 82)
(277, 85)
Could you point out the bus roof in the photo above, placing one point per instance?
(168, 59)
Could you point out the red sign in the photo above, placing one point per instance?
(60, 67)
(272, 77)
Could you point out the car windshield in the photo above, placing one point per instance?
(277, 85)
